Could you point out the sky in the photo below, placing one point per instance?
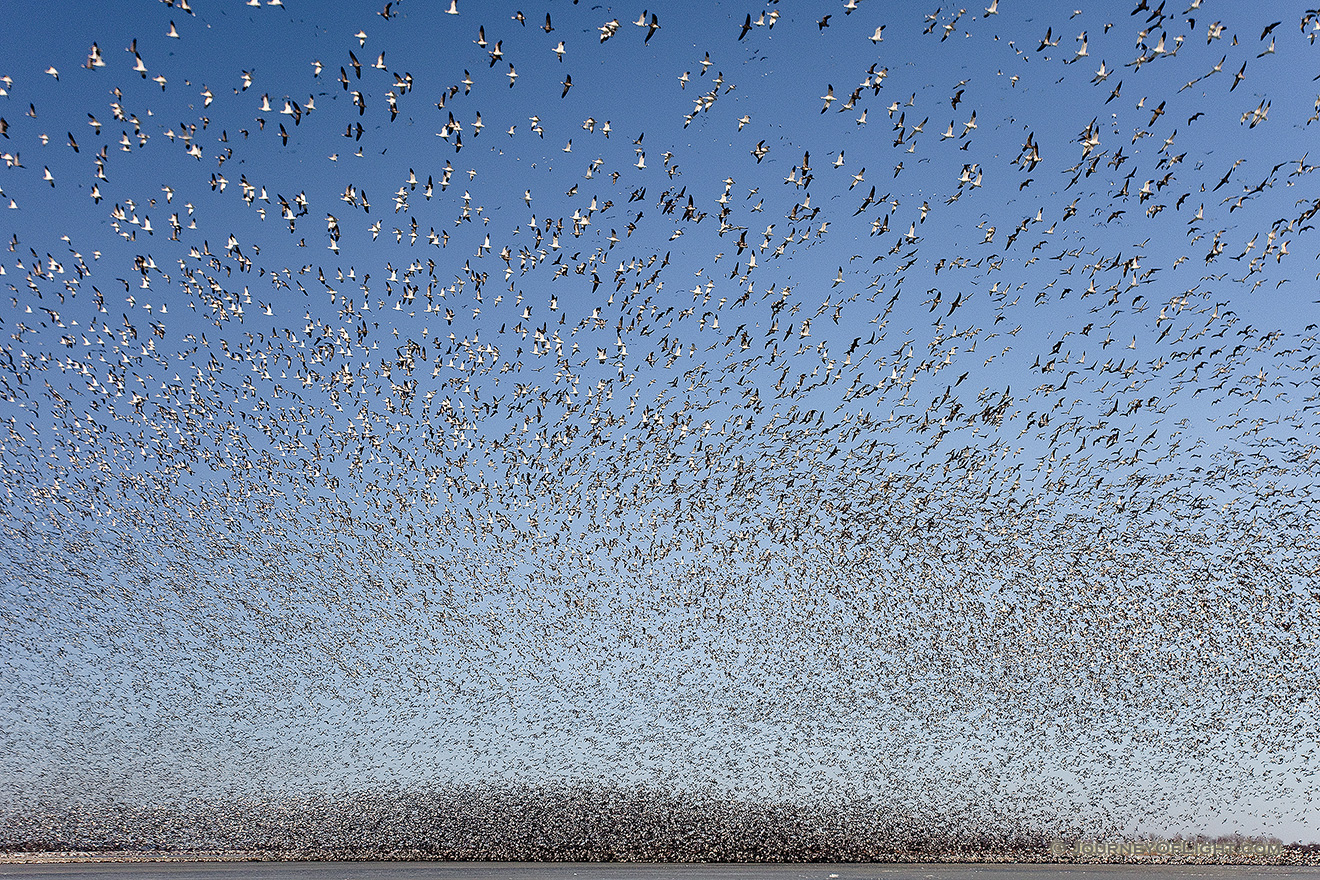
(910, 402)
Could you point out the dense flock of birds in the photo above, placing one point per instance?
(832, 403)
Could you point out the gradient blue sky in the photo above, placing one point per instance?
(675, 554)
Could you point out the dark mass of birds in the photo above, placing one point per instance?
(635, 440)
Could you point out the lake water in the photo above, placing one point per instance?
(526, 871)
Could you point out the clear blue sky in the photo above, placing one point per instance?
(436, 423)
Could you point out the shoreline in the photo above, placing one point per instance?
(1297, 856)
